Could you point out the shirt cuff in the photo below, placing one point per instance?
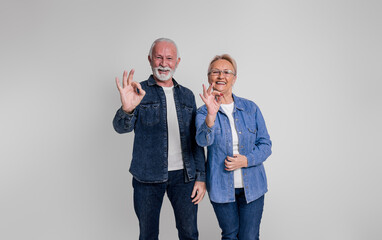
(200, 177)
(124, 115)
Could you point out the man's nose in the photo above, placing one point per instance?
(163, 63)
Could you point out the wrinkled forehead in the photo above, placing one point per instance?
(164, 48)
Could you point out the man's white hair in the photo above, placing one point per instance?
(163, 40)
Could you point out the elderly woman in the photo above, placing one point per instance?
(237, 140)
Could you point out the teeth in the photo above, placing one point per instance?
(220, 82)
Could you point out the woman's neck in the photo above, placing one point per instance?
(226, 98)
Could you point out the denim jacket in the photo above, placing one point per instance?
(149, 122)
(254, 143)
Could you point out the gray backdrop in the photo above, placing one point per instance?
(313, 67)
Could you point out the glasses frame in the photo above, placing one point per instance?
(225, 72)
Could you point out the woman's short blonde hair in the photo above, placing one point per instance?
(226, 57)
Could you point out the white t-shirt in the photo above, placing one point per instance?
(228, 109)
(175, 161)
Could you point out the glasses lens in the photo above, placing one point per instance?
(215, 72)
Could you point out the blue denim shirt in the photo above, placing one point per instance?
(254, 143)
(149, 122)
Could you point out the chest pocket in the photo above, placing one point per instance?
(187, 115)
(251, 128)
(220, 139)
(252, 134)
(149, 113)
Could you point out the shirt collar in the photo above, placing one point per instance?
(238, 103)
(152, 81)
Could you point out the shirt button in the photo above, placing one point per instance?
(239, 132)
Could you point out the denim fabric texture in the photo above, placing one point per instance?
(254, 143)
(148, 198)
(240, 220)
(149, 122)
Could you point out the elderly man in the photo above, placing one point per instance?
(166, 157)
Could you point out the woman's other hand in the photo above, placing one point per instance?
(235, 162)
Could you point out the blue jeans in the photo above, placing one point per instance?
(240, 220)
(148, 199)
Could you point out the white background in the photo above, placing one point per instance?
(313, 67)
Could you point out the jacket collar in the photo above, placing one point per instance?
(152, 82)
(238, 102)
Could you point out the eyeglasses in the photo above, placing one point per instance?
(216, 72)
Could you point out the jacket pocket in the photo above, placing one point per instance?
(252, 136)
(220, 139)
(187, 115)
(149, 113)
(252, 130)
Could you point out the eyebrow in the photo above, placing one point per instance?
(167, 56)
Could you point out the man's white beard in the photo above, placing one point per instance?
(163, 77)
